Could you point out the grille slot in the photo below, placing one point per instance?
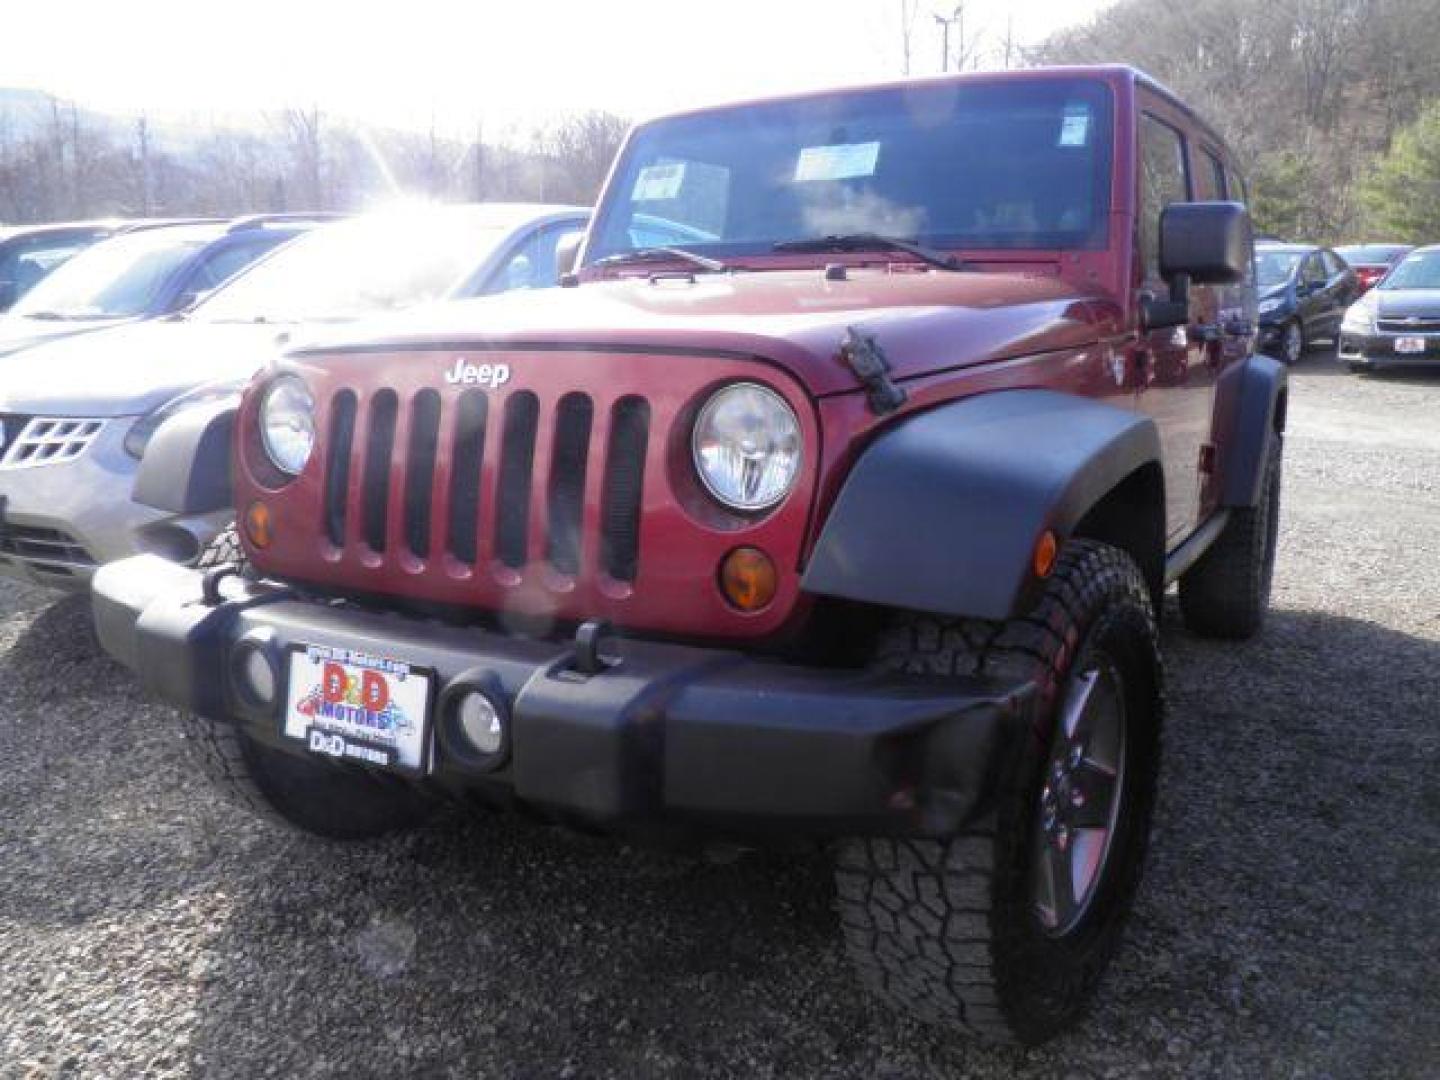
(44, 440)
(573, 420)
(420, 470)
(624, 486)
(379, 446)
(44, 550)
(465, 467)
(337, 472)
(512, 495)
(1421, 325)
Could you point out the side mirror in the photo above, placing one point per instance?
(9, 293)
(567, 253)
(1205, 243)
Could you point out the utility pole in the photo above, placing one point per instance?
(142, 135)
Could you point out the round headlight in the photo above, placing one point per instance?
(287, 424)
(747, 446)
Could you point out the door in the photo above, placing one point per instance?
(1178, 387)
(1312, 297)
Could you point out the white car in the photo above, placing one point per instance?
(76, 414)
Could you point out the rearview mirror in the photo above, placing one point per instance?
(1204, 243)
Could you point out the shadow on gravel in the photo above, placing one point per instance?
(1286, 925)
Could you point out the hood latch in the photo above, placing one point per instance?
(862, 355)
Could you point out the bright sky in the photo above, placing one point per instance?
(399, 63)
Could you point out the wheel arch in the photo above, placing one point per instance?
(943, 511)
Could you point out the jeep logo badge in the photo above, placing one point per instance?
(490, 376)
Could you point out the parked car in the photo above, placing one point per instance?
(29, 252)
(1304, 291)
(1371, 262)
(79, 413)
(1397, 322)
(850, 522)
(143, 274)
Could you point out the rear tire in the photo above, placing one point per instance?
(1226, 594)
(961, 932)
(342, 802)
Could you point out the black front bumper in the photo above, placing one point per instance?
(661, 735)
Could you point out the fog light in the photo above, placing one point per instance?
(259, 526)
(748, 578)
(480, 723)
(258, 678)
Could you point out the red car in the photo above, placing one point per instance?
(1371, 262)
(846, 518)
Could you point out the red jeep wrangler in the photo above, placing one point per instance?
(834, 497)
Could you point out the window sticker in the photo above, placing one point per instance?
(843, 161)
(659, 182)
(1075, 126)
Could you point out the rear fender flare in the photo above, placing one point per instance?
(1250, 405)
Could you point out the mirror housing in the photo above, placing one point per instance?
(567, 252)
(1201, 243)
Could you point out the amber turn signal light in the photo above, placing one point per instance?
(748, 578)
(259, 527)
(1046, 548)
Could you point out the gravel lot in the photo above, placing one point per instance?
(1287, 926)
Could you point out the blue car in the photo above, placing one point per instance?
(143, 273)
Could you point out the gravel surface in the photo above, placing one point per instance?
(1287, 925)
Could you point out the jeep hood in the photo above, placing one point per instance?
(924, 321)
(131, 369)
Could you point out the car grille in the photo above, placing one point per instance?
(1424, 325)
(30, 441)
(503, 450)
(46, 551)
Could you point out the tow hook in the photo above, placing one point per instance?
(589, 660)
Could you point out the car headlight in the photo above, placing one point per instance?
(746, 446)
(141, 432)
(1273, 304)
(287, 424)
(1359, 319)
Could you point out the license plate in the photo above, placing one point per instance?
(356, 707)
(1409, 344)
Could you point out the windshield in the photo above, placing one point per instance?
(1016, 165)
(1418, 271)
(366, 266)
(114, 279)
(1275, 267)
(1372, 254)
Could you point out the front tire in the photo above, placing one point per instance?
(341, 802)
(1226, 594)
(966, 932)
(1292, 343)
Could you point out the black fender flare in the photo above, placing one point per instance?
(942, 511)
(1250, 401)
(186, 465)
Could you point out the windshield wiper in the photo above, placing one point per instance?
(869, 241)
(46, 316)
(663, 254)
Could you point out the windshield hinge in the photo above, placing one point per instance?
(862, 355)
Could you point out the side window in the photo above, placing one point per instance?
(1162, 182)
(1334, 265)
(1209, 178)
(1235, 187)
(532, 264)
(1313, 272)
(221, 265)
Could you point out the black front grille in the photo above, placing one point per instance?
(511, 439)
(1424, 325)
